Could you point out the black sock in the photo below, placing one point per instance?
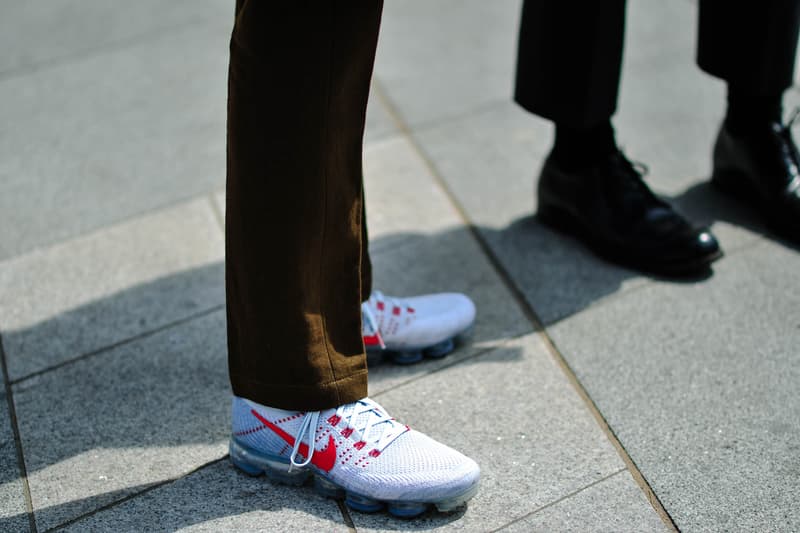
(749, 112)
(577, 148)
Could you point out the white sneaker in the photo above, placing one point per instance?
(410, 328)
(357, 452)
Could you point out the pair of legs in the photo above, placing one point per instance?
(298, 273)
(569, 62)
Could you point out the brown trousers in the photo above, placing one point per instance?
(297, 266)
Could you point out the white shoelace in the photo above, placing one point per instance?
(384, 304)
(368, 317)
(350, 413)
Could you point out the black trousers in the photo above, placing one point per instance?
(570, 52)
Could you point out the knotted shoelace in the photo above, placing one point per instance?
(351, 414)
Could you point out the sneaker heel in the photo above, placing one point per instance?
(327, 489)
(555, 218)
(730, 182)
(440, 350)
(406, 358)
(239, 458)
(253, 463)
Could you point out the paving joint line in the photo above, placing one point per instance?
(561, 499)
(12, 414)
(131, 496)
(111, 224)
(528, 310)
(649, 281)
(348, 520)
(455, 362)
(123, 342)
(480, 109)
(216, 210)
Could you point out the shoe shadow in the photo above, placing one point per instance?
(220, 499)
(556, 274)
(704, 204)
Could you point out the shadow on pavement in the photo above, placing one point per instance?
(159, 379)
(703, 203)
(148, 399)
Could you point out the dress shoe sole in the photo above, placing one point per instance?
(566, 223)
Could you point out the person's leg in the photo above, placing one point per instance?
(568, 71)
(572, 76)
(298, 269)
(755, 158)
(299, 82)
(569, 60)
(751, 46)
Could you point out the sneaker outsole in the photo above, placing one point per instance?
(410, 356)
(276, 469)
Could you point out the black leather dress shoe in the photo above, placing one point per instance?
(610, 208)
(762, 170)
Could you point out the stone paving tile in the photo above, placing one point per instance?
(449, 261)
(380, 123)
(111, 425)
(699, 382)
(403, 200)
(461, 56)
(33, 34)
(219, 498)
(89, 150)
(13, 516)
(516, 414)
(108, 286)
(490, 160)
(616, 504)
(656, 31)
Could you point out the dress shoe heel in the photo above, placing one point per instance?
(557, 219)
(761, 169)
(732, 182)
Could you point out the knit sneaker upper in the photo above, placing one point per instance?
(416, 322)
(359, 447)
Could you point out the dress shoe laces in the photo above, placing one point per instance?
(640, 168)
(789, 145)
(634, 173)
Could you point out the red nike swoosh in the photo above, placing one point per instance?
(322, 459)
